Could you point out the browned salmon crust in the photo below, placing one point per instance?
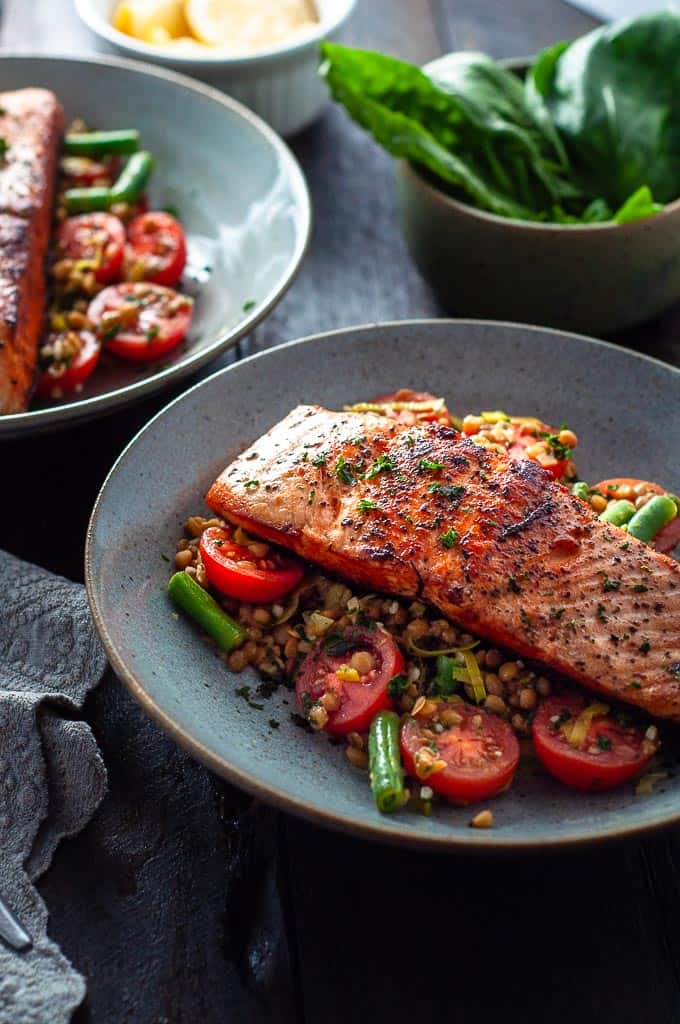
(31, 124)
(496, 545)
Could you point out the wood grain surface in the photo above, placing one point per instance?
(184, 902)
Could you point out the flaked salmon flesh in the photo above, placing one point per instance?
(497, 546)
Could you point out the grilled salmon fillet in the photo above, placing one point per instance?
(495, 545)
(31, 125)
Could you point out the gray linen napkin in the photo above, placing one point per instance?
(52, 777)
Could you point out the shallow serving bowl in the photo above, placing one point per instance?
(281, 84)
(596, 278)
(239, 192)
(140, 512)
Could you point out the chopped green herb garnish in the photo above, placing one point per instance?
(410, 440)
(310, 499)
(365, 505)
(358, 440)
(247, 306)
(451, 491)
(250, 484)
(640, 588)
(636, 684)
(608, 584)
(559, 450)
(319, 460)
(244, 692)
(603, 742)
(601, 613)
(344, 472)
(398, 685)
(307, 704)
(380, 465)
(645, 647)
(450, 538)
(430, 464)
(447, 675)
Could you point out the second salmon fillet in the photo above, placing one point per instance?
(31, 124)
(496, 545)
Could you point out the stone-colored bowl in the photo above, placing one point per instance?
(176, 677)
(241, 196)
(596, 278)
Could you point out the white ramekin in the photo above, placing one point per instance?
(282, 84)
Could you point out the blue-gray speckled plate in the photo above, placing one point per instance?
(240, 194)
(598, 389)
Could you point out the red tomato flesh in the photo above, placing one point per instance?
(358, 700)
(140, 321)
(611, 754)
(481, 752)
(98, 238)
(75, 374)
(259, 573)
(158, 245)
(668, 538)
(84, 172)
(526, 437)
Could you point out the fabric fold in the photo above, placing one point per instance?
(52, 777)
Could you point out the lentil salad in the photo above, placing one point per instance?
(114, 266)
(435, 700)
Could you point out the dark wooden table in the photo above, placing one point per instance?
(186, 902)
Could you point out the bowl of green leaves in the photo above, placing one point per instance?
(544, 191)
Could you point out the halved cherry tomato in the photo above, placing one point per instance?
(246, 572)
(157, 247)
(98, 238)
(611, 753)
(78, 370)
(358, 700)
(526, 436)
(440, 414)
(83, 172)
(140, 321)
(481, 751)
(668, 538)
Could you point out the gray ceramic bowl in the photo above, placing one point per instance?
(597, 278)
(239, 191)
(149, 493)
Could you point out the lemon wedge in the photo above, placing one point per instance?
(244, 26)
(152, 21)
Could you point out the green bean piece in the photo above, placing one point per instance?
(652, 517)
(204, 609)
(100, 143)
(618, 512)
(133, 178)
(581, 490)
(384, 762)
(85, 200)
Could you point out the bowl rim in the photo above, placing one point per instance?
(418, 180)
(105, 30)
(40, 419)
(383, 831)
